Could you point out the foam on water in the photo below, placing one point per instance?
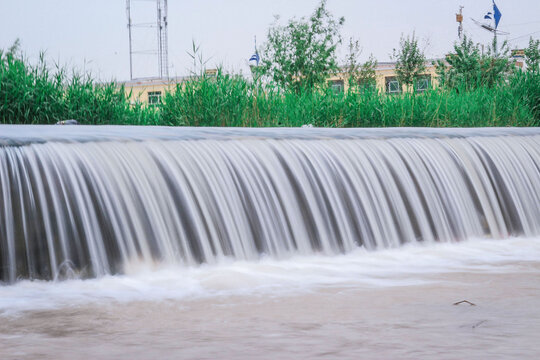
(92, 200)
(155, 214)
(411, 265)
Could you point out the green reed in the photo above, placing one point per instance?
(37, 94)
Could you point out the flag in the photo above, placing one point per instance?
(255, 57)
(496, 14)
(488, 16)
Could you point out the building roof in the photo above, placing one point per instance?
(155, 81)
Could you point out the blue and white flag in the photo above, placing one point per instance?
(488, 16)
(496, 14)
(255, 57)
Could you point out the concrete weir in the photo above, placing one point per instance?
(85, 201)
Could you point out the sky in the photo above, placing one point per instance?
(92, 35)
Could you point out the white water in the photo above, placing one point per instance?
(410, 265)
(84, 206)
(269, 243)
(394, 303)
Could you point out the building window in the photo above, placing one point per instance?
(422, 83)
(154, 97)
(392, 85)
(367, 85)
(337, 86)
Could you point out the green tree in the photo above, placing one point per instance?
(468, 67)
(410, 60)
(366, 74)
(495, 65)
(532, 55)
(352, 64)
(462, 66)
(361, 75)
(302, 54)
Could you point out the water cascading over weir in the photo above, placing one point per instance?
(88, 200)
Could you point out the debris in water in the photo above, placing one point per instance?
(464, 302)
(478, 324)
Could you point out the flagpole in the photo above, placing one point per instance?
(256, 52)
(494, 30)
(495, 41)
(255, 56)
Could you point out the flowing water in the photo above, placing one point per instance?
(127, 242)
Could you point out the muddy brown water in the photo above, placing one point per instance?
(405, 322)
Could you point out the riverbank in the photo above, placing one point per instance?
(35, 94)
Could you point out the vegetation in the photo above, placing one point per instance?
(532, 55)
(410, 61)
(300, 55)
(475, 88)
(33, 94)
(359, 75)
(468, 68)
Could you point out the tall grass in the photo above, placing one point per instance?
(35, 94)
(232, 101)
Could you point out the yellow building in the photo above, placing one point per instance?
(150, 91)
(386, 79)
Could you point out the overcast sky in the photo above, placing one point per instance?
(92, 34)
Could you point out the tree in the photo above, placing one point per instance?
(495, 65)
(352, 65)
(468, 68)
(462, 66)
(532, 55)
(366, 74)
(410, 60)
(358, 74)
(302, 54)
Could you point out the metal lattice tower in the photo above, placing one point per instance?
(162, 50)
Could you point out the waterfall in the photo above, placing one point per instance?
(89, 200)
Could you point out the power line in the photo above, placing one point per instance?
(525, 23)
(522, 36)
